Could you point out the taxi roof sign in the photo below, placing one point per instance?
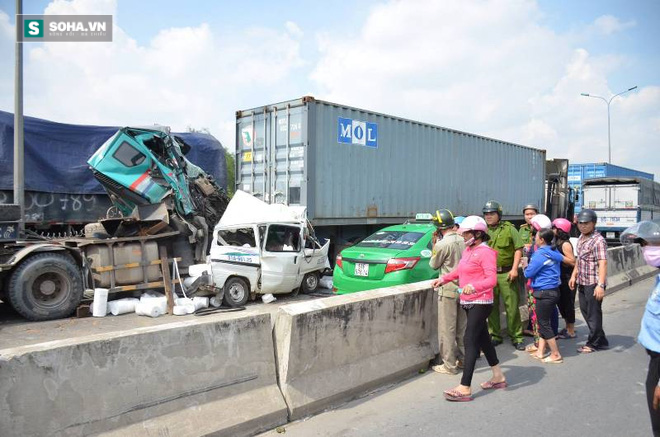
(421, 216)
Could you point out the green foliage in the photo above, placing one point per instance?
(231, 173)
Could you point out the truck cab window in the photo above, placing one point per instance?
(129, 155)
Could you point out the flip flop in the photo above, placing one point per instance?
(585, 350)
(536, 357)
(456, 396)
(531, 348)
(548, 360)
(490, 385)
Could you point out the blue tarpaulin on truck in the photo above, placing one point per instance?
(56, 155)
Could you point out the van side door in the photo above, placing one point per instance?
(280, 258)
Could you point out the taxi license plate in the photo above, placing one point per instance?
(609, 235)
(361, 269)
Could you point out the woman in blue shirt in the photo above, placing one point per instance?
(647, 235)
(543, 270)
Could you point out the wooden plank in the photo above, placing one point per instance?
(165, 266)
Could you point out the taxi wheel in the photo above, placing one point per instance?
(310, 282)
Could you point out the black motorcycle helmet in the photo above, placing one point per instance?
(443, 219)
(586, 216)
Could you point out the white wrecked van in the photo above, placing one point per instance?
(260, 249)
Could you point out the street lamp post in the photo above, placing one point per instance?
(609, 141)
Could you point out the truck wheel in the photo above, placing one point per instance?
(237, 292)
(46, 286)
(310, 282)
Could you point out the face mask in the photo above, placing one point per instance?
(652, 255)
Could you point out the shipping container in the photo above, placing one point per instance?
(620, 202)
(577, 173)
(352, 166)
(356, 170)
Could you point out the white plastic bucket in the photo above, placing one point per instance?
(100, 304)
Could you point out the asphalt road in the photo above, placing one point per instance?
(600, 394)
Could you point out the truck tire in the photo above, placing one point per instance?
(236, 291)
(46, 286)
(310, 282)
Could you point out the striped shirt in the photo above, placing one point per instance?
(590, 249)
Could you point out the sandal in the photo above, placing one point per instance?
(490, 385)
(564, 335)
(549, 360)
(456, 396)
(585, 350)
(531, 348)
(536, 357)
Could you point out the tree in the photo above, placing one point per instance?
(231, 173)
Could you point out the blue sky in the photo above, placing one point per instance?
(510, 69)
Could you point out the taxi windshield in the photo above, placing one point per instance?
(400, 240)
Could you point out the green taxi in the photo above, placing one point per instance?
(394, 255)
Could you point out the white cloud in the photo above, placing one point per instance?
(491, 68)
(488, 67)
(294, 29)
(608, 24)
(189, 76)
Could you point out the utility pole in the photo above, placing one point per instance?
(19, 175)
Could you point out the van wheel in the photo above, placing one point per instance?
(310, 282)
(237, 292)
(46, 286)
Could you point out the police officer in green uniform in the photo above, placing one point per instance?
(525, 231)
(505, 239)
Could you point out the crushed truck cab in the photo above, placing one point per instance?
(265, 249)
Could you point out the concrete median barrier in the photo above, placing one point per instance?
(335, 349)
(191, 378)
(625, 266)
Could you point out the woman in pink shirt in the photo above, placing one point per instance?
(477, 275)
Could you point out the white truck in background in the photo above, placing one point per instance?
(620, 202)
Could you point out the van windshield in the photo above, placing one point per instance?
(399, 240)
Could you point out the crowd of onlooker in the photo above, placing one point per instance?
(480, 260)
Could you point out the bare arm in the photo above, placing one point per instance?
(571, 282)
(567, 251)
